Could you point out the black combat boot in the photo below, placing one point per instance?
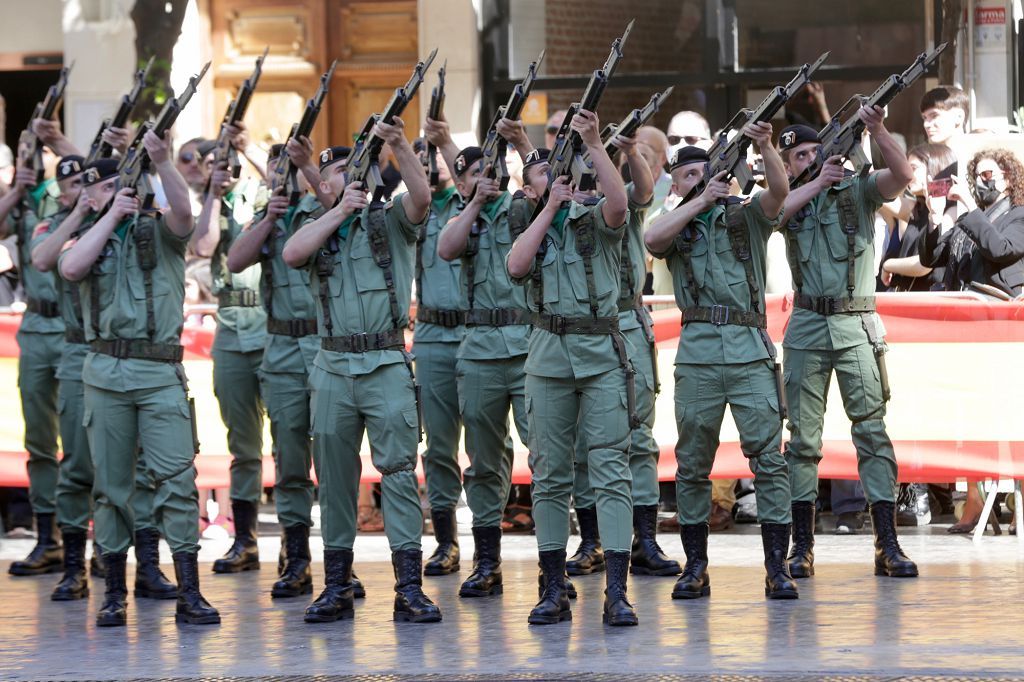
(47, 556)
(889, 557)
(114, 611)
(297, 578)
(358, 591)
(485, 579)
(570, 589)
(589, 557)
(150, 581)
(617, 610)
(647, 557)
(244, 553)
(445, 558)
(801, 555)
(96, 568)
(74, 584)
(192, 606)
(335, 602)
(411, 605)
(694, 583)
(553, 606)
(778, 583)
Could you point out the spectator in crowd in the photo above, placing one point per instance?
(945, 111)
(688, 128)
(552, 126)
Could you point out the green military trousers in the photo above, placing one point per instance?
(383, 404)
(558, 409)
(435, 367)
(487, 390)
(702, 392)
(157, 419)
(237, 387)
(643, 449)
(38, 359)
(287, 398)
(76, 473)
(808, 374)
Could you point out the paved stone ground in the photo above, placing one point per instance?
(960, 620)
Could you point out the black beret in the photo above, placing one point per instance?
(536, 156)
(688, 155)
(275, 150)
(466, 158)
(333, 155)
(99, 170)
(794, 135)
(70, 165)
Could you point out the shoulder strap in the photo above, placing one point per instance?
(219, 259)
(420, 239)
(627, 287)
(739, 241)
(267, 269)
(586, 246)
(145, 251)
(684, 245)
(380, 247)
(850, 224)
(324, 270)
(469, 261)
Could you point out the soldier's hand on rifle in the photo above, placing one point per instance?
(220, 180)
(300, 151)
(831, 172)
(486, 188)
(717, 188)
(48, 131)
(159, 150)
(84, 206)
(277, 206)
(626, 144)
(354, 200)
(760, 133)
(392, 133)
(437, 132)
(587, 125)
(873, 117)
(24, 178)
(513, 131)
(118, 138)
(125, 203)
(239, 136)
(560, 192)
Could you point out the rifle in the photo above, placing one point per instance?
(435, 112)
(225, 153)
(638, 117)
(731, 155)
(30, 147)
(844, 139)
(134, 169)
(495, 146)
(100, 149)
(284, 173)
(566, 157)
(364, 160)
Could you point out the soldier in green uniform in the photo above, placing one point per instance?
(716, 248)
(237, 351)
(490, 374)
(132, 268)
(75, 478)
(440, 325)
(647, 557)
(578, 377)
(361, 260)
(830, 229)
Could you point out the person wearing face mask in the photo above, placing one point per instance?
(986, 243)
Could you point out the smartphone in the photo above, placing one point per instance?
(939, 188)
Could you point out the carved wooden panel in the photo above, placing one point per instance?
(381, 31)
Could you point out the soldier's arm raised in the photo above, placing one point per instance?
(301, 246)
(662, 231)
(416, 201)
(639, 171)
(774, 170)
(245, 248)
(897, 175)
(179, 217)
(78, 260)
(46, 252)
(616, 203)
(524, 251)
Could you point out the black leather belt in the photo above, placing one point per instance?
(238, 298)
(827, 305)
(293, 328)
(720, 315)
(496, 317)
(361, 343)
(43, 308)
(74, 336)
(557, 324)
(442, 318)
(138, 349)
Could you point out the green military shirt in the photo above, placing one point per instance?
(492, 287)
(357, 296)
(117, 284)
(72, 354)
(239, 328)
(821, 251)
(721, 280)
(563, 291)
(286, 294)
(437, 280)
(41, 286)
(633, 266)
